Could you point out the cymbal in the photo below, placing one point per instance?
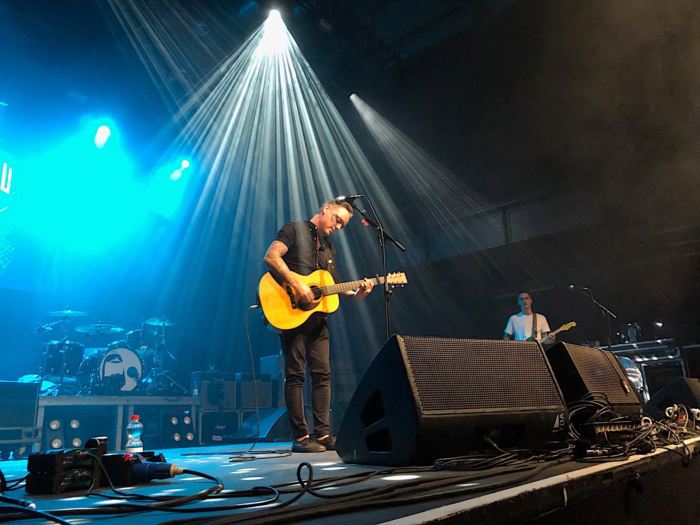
(159, 321)
(67, 313)
(99, 328)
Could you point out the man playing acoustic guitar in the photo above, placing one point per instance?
(527, 325)
(301, 248)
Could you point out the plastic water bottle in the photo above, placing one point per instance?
(133, 435)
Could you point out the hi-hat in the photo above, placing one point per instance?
(99, 328)
(159, 321)
(67, 313)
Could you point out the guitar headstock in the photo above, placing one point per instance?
(568, 326)
(397, 279)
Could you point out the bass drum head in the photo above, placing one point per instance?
(120, 369)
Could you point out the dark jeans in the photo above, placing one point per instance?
(308, 343)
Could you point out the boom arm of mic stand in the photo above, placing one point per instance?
(606, 313)
(604, 310)
(374, 224)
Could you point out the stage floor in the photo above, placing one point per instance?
(567, 492)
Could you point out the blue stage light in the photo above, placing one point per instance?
(81, 198)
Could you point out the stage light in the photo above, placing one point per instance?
(102, 136)
(177, 173)
(79, 192)
(189, 436)
(77, 442)
(177, 437)
(74, 423)
(56, 443)
(173, 420)
(275, 36)
(187, 420)
(55, 424)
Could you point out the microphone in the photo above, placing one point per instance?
(349, 198)
(574, 287)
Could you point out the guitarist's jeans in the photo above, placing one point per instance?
(308, 343)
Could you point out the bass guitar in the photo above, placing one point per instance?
(284, 313)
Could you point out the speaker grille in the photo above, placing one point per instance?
(461, 375)
(598, 370)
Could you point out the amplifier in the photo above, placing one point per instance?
(216, 390)
(246, 389)
(217, 427)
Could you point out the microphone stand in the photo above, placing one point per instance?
(382, 237)
(603, 310)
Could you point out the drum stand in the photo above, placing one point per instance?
(159, 379)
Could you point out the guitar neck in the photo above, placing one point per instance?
(562, 328)
(347, 286)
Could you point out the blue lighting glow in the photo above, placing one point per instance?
(81, 198)
(168, 186)
(102, 136)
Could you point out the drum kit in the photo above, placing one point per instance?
(137, 364)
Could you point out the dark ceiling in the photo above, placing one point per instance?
(71, 55)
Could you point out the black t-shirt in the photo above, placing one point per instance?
(302, 256)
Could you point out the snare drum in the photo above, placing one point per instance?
(120, 370)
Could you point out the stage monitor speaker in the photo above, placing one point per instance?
(424, 398)
(582, 370)
(681, 391)
(267, 424)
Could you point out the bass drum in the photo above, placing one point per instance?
(120, 370)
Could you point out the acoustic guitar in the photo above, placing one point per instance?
(284, 313)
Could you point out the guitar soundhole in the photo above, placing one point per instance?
(306, 306)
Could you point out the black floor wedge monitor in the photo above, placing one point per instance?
(424, 398)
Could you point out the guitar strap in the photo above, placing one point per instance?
(534, 326)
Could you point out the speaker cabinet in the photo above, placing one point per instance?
(581, 370)
(681, 391)
(423, 398)
(18, 410)
(71, 426)
(216, 390)
(165, 426)
(218, 427)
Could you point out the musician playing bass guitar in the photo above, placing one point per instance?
(300, 249)
(527, 325)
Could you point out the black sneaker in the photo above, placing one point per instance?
(306, 445)
(328, 442)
